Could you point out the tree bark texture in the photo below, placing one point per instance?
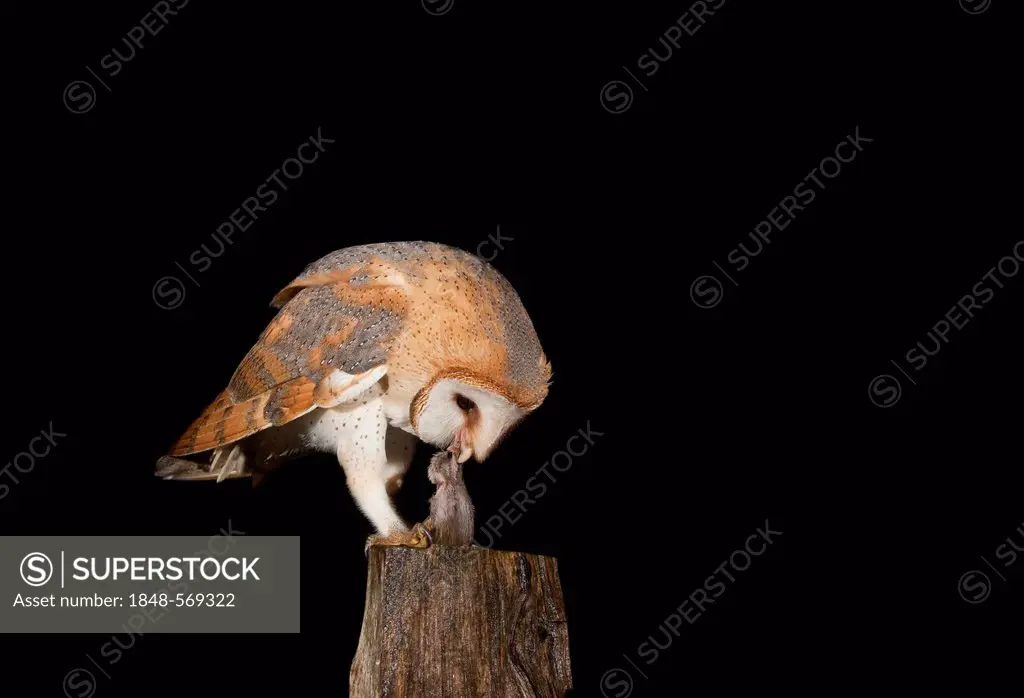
(461, 622)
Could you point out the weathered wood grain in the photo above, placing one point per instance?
(461, 622)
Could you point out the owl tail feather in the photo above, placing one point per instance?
(172, 468)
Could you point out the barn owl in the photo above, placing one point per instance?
(375, 347)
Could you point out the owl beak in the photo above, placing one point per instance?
(462, 447)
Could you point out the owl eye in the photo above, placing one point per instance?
(464, 403)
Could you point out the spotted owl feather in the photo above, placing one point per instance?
(425, 311)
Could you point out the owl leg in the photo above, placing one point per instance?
(400, 447)
(360, 430)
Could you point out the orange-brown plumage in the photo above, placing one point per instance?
(426, 310)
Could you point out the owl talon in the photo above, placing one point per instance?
(420, 537)
(425, 531)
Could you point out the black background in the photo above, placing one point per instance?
(713, 420)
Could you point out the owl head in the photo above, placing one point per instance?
(469, 414)
(469, 356)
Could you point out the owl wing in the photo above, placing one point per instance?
(354, 268)
(323, 348)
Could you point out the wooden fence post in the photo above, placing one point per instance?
(461, 622)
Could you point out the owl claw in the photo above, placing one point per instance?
(420, 537)
(425, 531)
